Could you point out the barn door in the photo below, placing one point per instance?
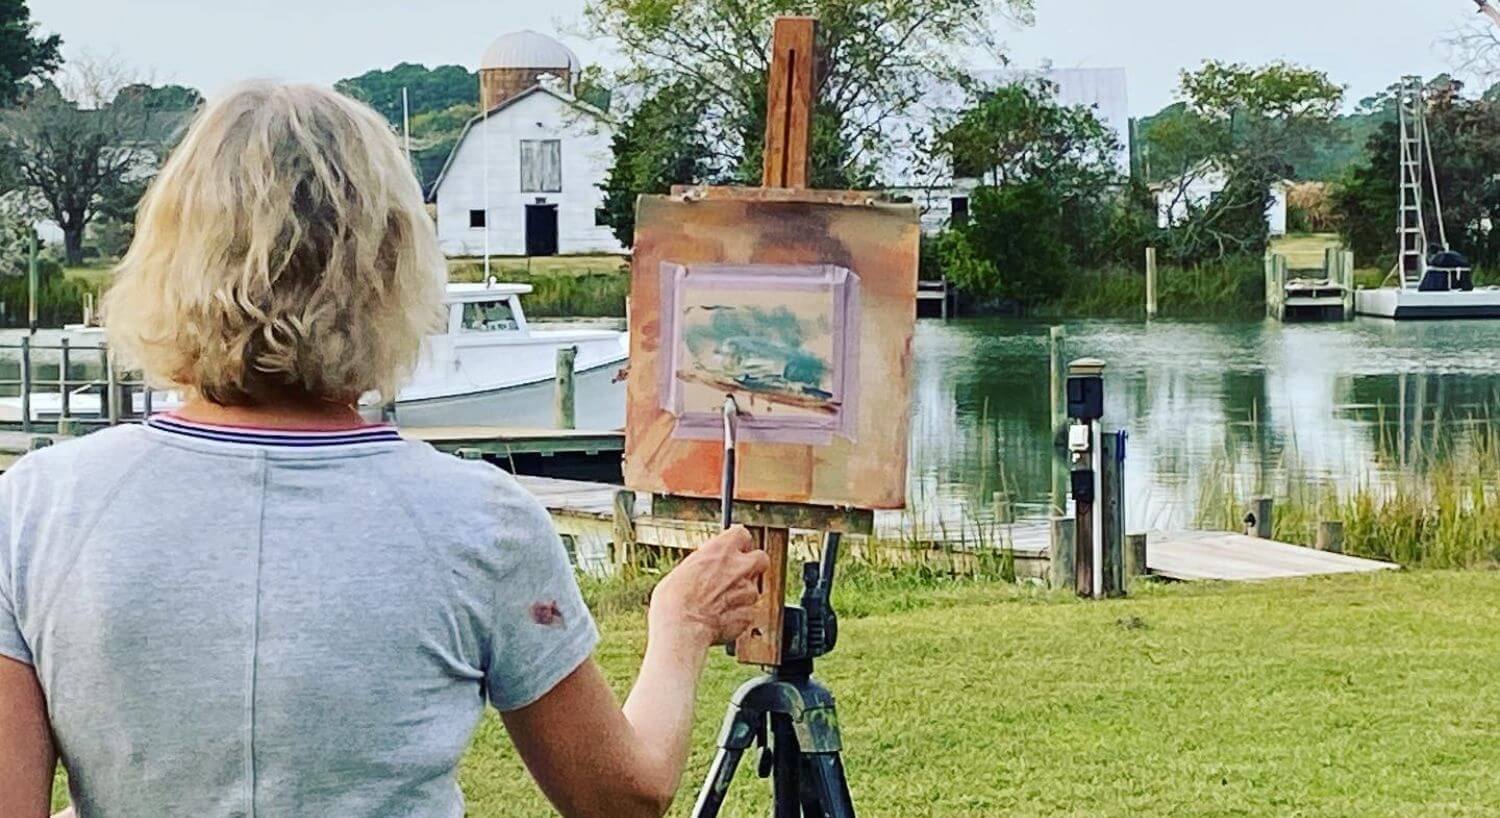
(541, 230)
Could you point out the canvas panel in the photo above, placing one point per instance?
(804, 311)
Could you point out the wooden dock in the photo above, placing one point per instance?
(585, 515)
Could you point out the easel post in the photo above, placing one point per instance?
(787, 164)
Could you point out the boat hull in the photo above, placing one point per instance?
(1412, 305)
(599, 403)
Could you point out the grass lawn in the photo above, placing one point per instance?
(1366, 696)
(1304, 251)
(472, 269)
(1348, 696)
(96, 276)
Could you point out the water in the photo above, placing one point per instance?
(1339, 403)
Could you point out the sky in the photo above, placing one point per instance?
(208, 44)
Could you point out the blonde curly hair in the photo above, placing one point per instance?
(283, 253)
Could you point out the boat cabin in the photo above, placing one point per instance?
(475, 309)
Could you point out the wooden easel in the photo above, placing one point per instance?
(787, 169)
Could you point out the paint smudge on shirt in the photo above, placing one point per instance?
(547, 613)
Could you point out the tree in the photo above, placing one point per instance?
(880, 57)
(24, 56)
(77, 142)
(428, 90)
(1049, 192)
(1251, 126)
(660, 145)
(1465, 136)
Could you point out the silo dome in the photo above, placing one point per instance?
(531, 50)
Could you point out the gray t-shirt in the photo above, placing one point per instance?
(233, 622)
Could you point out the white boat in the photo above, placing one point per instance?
(492, 368)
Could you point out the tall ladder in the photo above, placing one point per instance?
(1418, 172)
(1411, 227)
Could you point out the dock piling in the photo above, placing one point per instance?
(624, 530)
(1063, 569)
(1135, 556)
(26, 384)
(1331, 536)
(564, 406)
(1259, 522)
(1150, 282)
(62, 380)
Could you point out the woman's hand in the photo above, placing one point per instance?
(710, 596)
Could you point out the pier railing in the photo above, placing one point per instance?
(108, 399)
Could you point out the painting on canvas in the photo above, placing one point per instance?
(803, 312)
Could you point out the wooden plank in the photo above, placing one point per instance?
(1203, 555)
(782, 515)
(789, 104)
(851, 198)
(761, 645)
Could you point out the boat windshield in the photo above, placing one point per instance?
(489, 316)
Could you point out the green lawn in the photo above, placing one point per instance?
(1365, 695)
(1333, 697)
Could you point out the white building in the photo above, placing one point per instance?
(936, 192)
(1177, 198)
(524, 177)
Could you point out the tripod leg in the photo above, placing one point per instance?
(825, 790)
(785, 790)
(716, 785)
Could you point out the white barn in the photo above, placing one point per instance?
(525, 176)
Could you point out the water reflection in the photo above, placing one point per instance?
(1334, 402)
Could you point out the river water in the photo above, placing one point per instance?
(1202, 402)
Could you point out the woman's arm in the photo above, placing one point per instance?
(594, 758)
(27, 759)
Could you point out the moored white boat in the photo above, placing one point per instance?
(493, 368)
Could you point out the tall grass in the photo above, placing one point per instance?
(1233, 288)
(561, 294)
(1441, 510)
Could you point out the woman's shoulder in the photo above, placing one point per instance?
(456, 492)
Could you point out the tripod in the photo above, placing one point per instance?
(790, 715)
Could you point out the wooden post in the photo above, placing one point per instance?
(26, 383)
(1111, 508)
(111, 388)
(624, 533)
(1331, 536)
(564, 410)
(1150, 282)
(1262, 508)
(1062, 568)
(761, 645)
(62, 380)
(1135, 556)
(1058, 374)
(31, 285)
(789, 104)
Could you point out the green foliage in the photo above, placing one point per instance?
(660, 145)
(1465, 135)
(59, 298)
(1233, 288)
(882, 58)
(427, 89)
(24, 55)
(1051, 199)
(1278, 91)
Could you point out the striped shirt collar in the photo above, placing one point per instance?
(262, 436)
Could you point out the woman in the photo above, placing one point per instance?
(260, 606)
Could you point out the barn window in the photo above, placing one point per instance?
(541, 166)
(601, 217)
(476, 218)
